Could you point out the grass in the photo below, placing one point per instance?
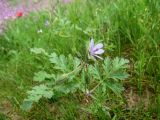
(15, 2)
(128, 29)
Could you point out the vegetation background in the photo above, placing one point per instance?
(128, 28)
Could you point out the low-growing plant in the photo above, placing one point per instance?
(71, 74)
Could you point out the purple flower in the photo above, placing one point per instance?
(96, 50)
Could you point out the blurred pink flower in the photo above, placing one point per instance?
(66, 1)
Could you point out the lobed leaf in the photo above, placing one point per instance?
(42, 75)
(94, 71)
(38, 51)
(115, 69)
(38, 92)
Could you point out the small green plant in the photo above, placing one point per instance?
(73, 75)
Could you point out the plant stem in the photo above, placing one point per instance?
(62, 79)
(91, 91)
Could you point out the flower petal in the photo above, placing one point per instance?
(98, 46)
(100, 51)
(91, 45)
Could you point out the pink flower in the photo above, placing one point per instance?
(66, 1)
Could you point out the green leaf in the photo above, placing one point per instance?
(117, 88)
(119, 63)
(76, 63)
(42, 75)
(94, 71)
(120, 76)
(62, 62)
(26, 105)
(53, 58)
(67, 87)
(59, 62)
(107, 65)
(38, 92)
(38, 51)
(116, 69)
